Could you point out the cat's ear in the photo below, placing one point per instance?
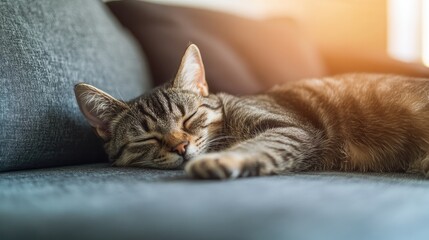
(191, 75)
(98, 107)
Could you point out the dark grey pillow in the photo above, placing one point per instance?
(46, 47)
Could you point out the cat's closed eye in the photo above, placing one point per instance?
(146, 140)
(187, 120)
(197, 122)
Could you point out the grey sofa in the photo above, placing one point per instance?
(55, 182)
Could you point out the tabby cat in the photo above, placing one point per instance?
(355, 122)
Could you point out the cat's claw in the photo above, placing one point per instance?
(215, 166)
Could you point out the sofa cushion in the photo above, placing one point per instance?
(100, 202)
(241, 55)
(46, 47)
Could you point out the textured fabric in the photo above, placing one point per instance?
(46, 47)
(101, 202)
(241, 56)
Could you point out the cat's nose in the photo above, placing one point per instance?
(181, 148)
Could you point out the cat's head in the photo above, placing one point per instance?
(160, 129)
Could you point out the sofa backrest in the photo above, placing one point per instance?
(241, 55)
(46, 47)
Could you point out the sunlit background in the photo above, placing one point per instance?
(398, 27)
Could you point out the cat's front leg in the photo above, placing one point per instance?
(272, 152)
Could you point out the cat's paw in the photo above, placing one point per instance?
(216, 166)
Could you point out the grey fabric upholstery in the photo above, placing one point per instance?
(101, 202)
(45, 48)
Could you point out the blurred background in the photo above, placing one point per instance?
(397, 27)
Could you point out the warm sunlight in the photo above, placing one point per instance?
(425, 31)
(408, 30)
(404, 29)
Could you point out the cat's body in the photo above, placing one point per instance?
(354, 122)
(357, 122)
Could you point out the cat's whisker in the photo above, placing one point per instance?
(158, 160)
(119, 94)
(221, 139)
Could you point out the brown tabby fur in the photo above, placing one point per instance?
(355, 122)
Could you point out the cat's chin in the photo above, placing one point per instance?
(180, 161)
(185, 160)
(187, 157)
(180, 166)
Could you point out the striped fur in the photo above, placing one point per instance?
(356, 122)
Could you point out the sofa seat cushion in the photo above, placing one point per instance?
(101, 202)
